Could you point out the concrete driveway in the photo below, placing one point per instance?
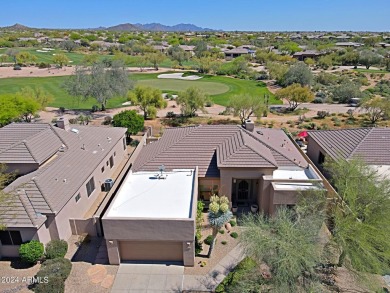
(148, 278)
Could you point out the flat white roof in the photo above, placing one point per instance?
(295, 186)
(143, 195)
(302, 174)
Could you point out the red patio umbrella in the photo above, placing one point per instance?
(303, 134)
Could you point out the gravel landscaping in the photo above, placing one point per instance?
(220, 250)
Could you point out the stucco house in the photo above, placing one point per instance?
(368, 144)
(251, 166)
(60, 173)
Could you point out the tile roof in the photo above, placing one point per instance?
(50, 187)
(212, 146)
(370, 144)
(28, 143)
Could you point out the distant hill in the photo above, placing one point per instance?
(124, 27)
(182, 27)
(17, 27)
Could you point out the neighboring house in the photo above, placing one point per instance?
(369, 144)
(301, 56)
(347, 44)
(237, 52)
(61, 171)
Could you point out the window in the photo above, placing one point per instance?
(111, 162)
(10, 237)
(107, 163)
(90, 186)
(102, 169)
(77, 198)
(124, 143)
(321, 158)
(114, 154)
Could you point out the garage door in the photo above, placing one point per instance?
(151, 251)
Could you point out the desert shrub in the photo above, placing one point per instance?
(198, 246)
(31, 252)
(221, 231)
(56, 249)
(209, 104)
(134, 142)
(170, 114)
(232, 223)
(94, 108)
(57, 271)
(73, 121)
(43, 65)
(224, 242)
(322, 114)
(107, 120)
(234, 235)
(337, 123)
(318, 101)
(209, 239)
(245, 266)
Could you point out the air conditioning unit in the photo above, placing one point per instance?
(108, 183)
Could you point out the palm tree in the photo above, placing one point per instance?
(219, 214)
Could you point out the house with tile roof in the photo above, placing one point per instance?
(368, 144)
(59, 171)
(250, 166)
(152, 215)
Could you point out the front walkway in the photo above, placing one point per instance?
(153, 278)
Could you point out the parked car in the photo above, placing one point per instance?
(17, 67)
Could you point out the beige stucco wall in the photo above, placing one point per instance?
(227, 175)
(313, 151)
(27, 234)
(77, 210)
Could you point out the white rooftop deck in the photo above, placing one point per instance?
(301, 174)
(143, 195)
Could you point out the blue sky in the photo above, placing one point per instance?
(258, 15)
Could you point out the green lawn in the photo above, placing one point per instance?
(371, 70)
(219, 88)
(47, 57)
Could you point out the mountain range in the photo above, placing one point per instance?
(182, 27)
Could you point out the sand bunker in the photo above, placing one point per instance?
(179, 76)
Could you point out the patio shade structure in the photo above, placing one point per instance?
(303, 134)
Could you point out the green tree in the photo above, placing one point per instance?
(361, 215)
(3, 59)
(369, 58)
(38, 94)
(156, 59)
(201, 49)
(325, 61)
(345, 91)
(191, 100)
(25, 58)
(290, 48)
(178, 54)
(90, 59)
(218, 215)
(99, 82)
(287, 243)
(350, 58)
(377, 108)
(295, 94)
(207, 64)
(244, 106)
(298, 73)
(130, 120)
(277, 71)
(12, 53)
(60, 59)
(149, 99)
(68, 45)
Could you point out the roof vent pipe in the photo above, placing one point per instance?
(249, 125)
